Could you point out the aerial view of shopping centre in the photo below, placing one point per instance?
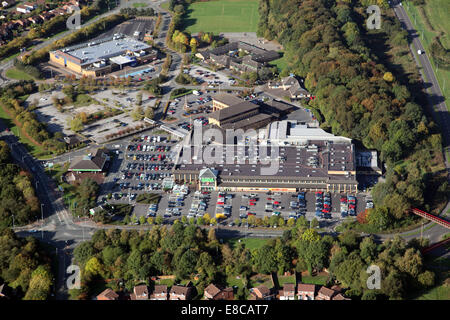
(224, 150)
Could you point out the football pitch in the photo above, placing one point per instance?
(222, 16)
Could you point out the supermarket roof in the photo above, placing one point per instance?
(105, 48)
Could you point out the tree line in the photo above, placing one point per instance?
(326, 43)
(187, 251)
(25, 267)
(18, 202)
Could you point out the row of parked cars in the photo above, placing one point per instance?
(147, 167)
(348, 206)
(323, 205)
(199, 204)
(148, 148)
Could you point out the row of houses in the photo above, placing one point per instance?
(301, 291)
(159, 292)
(7, 28)
(290, 291)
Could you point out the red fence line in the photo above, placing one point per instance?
(431, 217)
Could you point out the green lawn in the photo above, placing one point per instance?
(16, 74)
(140, 5)
(250, 243)
(439, 18)
(285, 279)
(441, 292)
(223, 16)
(319, 280)
(280, 63)
(232, 281)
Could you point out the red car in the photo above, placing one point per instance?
(326, 205)
(352, 206)
(276, 202)
(220, 202)
(269, 199)
(251, 214)
(252, 204)
(326, 210)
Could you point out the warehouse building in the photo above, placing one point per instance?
(100, 57)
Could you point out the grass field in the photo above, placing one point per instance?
(222, 16)
(14, 73)
(437, 13)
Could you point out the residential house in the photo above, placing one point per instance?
(35, 19)
(212, 292)
(306, 291)
(58, 12)
(45, 16)
(288, 292)
(340, 296)
(325, 294)
(23, 9)
(160, 292)
(140, 293)
(261, 293)
(8, 3)
(108, 294)
(30, 5)
(180, 292)
(22, 22)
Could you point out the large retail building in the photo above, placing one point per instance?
(304, 158)
(100, 57)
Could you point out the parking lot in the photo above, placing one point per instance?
(211, 78)
(143, 170)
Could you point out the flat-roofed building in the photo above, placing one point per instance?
(100, 57)
(317, 165)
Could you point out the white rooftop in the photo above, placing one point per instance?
(106, 48)
(291, 131)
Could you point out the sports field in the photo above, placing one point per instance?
(222, 16)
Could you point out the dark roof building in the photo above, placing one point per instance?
(212, 292)
(181, 292)
(91, 162)
(108, 294)
(230, 56)
(140, 293)
(160, 292)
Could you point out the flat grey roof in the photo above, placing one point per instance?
(105, 48)
(296, 162)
